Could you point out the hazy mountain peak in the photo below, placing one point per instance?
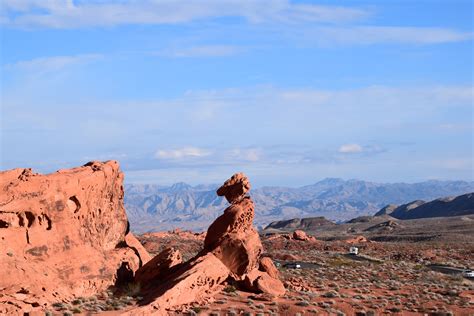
(180, 186)
(331, 181)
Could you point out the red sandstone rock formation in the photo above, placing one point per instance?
(357, 240)
(159, 266)
(63, 235)
(232, 248)
(267, 265)
(302, 236)
(299, 235)
(235, 188)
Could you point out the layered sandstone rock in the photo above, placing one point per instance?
(63, 235)
(232, 248)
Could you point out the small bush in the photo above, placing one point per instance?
(196, 309)
(261, 306)
(76, 302)
(230, 289)
(133, 289)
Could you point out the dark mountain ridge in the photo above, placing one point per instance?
(442, 207)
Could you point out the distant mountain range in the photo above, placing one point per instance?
(155, 207)
(387, 218)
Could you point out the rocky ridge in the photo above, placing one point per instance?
(447, 206)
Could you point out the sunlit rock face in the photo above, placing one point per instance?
(63, 235)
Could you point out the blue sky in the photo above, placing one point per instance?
(289, 92)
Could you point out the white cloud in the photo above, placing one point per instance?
(350, 149)
(68, 14)
(186, 152)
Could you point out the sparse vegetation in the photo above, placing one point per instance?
(230, 289)
(196, 309)
(303, 303)
(332, 279)
(132, 289)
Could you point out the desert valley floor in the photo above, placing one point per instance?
(404, 277)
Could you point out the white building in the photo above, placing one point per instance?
(354, 250)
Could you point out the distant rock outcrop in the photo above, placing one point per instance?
(384, 227)
(63, 235)
(386, 210)
(443, 207)
(309, 223)
(302, 236)
(451, 206)
(394, 210)
(360, 219)
(356, 240)
(232, 248)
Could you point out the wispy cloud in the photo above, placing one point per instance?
(350, 148)
(366, 35)
(52, 63)
(185, 152)
(202, 156)
(322, 24)
(68, 14)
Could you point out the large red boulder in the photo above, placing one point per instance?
(261, 282)
(302, 236)
(267, 265)
(63, 235)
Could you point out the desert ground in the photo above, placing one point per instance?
(386, 278)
